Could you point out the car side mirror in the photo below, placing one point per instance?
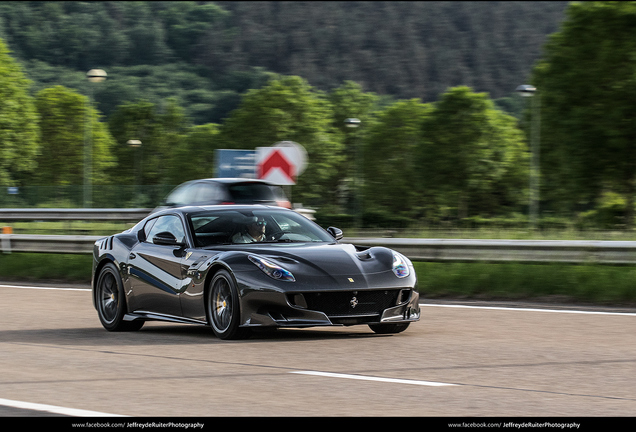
(335, 232)
(166, 238)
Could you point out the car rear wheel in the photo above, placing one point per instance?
(223, 307)
(110, 301)
(389, 328)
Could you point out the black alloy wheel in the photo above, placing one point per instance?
(223, 307)
(110, 301)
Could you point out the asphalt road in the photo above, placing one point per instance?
(56, 359)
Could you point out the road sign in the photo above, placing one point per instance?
(280, 164)
(235, 163)
(298, 155)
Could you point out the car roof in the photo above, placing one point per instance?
(225, 207)
(233, 180)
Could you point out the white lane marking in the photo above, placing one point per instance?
(54, 409)
(44, 288)
(370, 378)
(530, 309)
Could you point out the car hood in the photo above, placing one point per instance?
(328, 264)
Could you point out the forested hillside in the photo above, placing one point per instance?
(428, 80)
(206, 54)
(405, 49)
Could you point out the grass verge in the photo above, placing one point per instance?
(595, 284)
(43, 266)
(588, 283)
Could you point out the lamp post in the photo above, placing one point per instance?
(135, 143)
(531, 91)
(355, 123)
(94, 76)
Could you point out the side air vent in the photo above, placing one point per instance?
(364, 255)
(107, 243)
(282, 259)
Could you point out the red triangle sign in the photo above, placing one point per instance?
(276, 159)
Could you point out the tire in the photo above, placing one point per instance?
(389, 328)
(111, 303)
(223, 307)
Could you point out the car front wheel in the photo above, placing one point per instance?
(223, 307)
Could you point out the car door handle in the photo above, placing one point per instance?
(132, 256)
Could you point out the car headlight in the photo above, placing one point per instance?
(400, 265)
(272, 270)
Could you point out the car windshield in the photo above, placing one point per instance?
(216, 227)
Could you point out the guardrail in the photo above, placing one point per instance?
(56, 214)
(445, 250)
(64, 244)
(525, 251)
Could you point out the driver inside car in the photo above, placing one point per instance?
(254, 232)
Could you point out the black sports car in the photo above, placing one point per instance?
(236, 268)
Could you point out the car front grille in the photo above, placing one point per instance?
(354, 303)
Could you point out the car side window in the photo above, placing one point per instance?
(169, 223)
(148, 227)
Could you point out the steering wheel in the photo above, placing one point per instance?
(276, 235)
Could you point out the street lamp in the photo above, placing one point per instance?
(94, 76)
(354, 123)
(529, 91)
(135, 143)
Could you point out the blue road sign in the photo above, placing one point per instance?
(236, 163)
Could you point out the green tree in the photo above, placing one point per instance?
(197, 152)
(349, 101)
(288, 109)
(187, 22)
(391, 172)
(63, 126)
(161, 132)
(587, 84)
(473, 158)
(19, 132)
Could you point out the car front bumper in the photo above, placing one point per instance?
(285, 310)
